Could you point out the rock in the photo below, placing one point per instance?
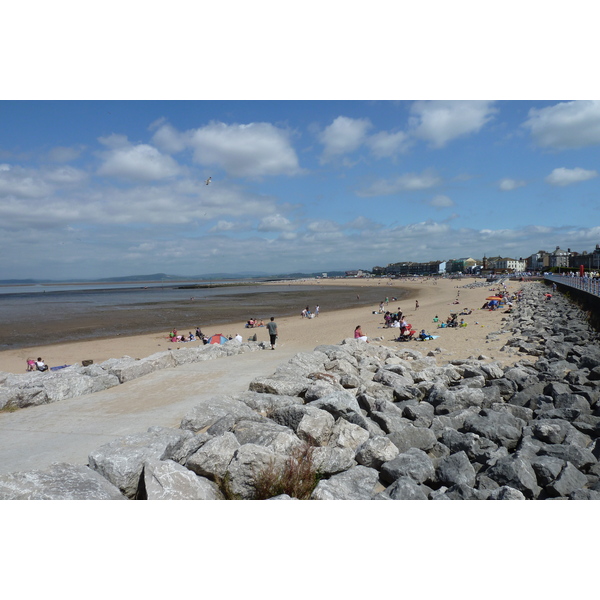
(455, 469)
(280, 439)
(357, 483)
(515, 472)
(248, 464)
(506, 493)
(412, 463)
(405, 488)
(347, 435)
(121, 461)
(168, 480)
(329, 461)
(202, 416)
(569, 480)
(376, 451)
(413, 437)
(213, 458)
(61, 481)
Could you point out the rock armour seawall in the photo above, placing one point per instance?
(380, 423)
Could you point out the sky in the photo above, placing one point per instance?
(333, 140)
(112, 188)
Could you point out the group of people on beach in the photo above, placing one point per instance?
(251, 323)
(174, 336)
(306, 314)
(36, 365)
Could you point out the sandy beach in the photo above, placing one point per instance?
(330, 327)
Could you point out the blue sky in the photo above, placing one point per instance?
(102, 188)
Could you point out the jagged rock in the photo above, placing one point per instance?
(569, 480)
(413, 437)
(278, 438)
(61, 481)
(267, 403)
(329, 461)
(121, 461)
(282, 386)
(341, 404)
(404, 488)
(213, 458)
(347, 435)
(506, 493)
(202, 416)
(515, 472)
(357, 483)
(168, 480)
(547, 468)
(412, 463)
(249, 462)
(581, 458)
(455, 469)
(376, 451)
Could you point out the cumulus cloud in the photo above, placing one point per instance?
(441, 201)
(566, 124)
(141, 162)
(171, 141)
(252, 150)
(563, 176)
(407, 182)
(19, 182)
(343, 136)
(323, 226)
(439, 122)
(275, 223)
(385, 144)
(507, 185)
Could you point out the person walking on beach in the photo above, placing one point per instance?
(416, 304)
(272, 327)
(317, 310)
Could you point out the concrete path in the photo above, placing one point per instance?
(67, 431)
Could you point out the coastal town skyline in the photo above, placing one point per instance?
(108, 188)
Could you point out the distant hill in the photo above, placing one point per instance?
(167, 277)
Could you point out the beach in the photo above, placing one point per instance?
(361, 299)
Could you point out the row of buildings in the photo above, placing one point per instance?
(539, 262)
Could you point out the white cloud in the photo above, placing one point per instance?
(19, 182)
(507, 185)
(566, 124)
(385, 144)
(441, 201)
(142, 163)
(406, 182)
(323, 226)
(275, 223)
(252, 150)
(442, 121)
(66, 175)
(343, 136)
(562, 176)
(168, 139)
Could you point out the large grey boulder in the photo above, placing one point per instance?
(455, 470)
(412, 463)
(202, 416)
(277, 437)
(342, 404)
(404, 488)
(516, 472)
(282, 385)
(328, 461)
(213, 458)
(265, 404)
(357, 483)
(168, 480)
(569, 480)
(310, 423)
(376, 451)
(248, 464)
(347, 435)
(61, 481)
(413, 437)
(121, 461)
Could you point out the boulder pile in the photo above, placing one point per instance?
(379, 423)
(34, 388)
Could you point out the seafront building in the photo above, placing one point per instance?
(540, 261)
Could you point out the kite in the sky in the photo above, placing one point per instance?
(208, 180)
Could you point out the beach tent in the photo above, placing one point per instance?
(218, 338)
(493, 298)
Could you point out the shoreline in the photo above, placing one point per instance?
(303, 335)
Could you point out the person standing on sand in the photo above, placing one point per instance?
(317, 310)
(272, 327)
(416, 304)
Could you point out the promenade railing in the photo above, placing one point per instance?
(585, 284)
